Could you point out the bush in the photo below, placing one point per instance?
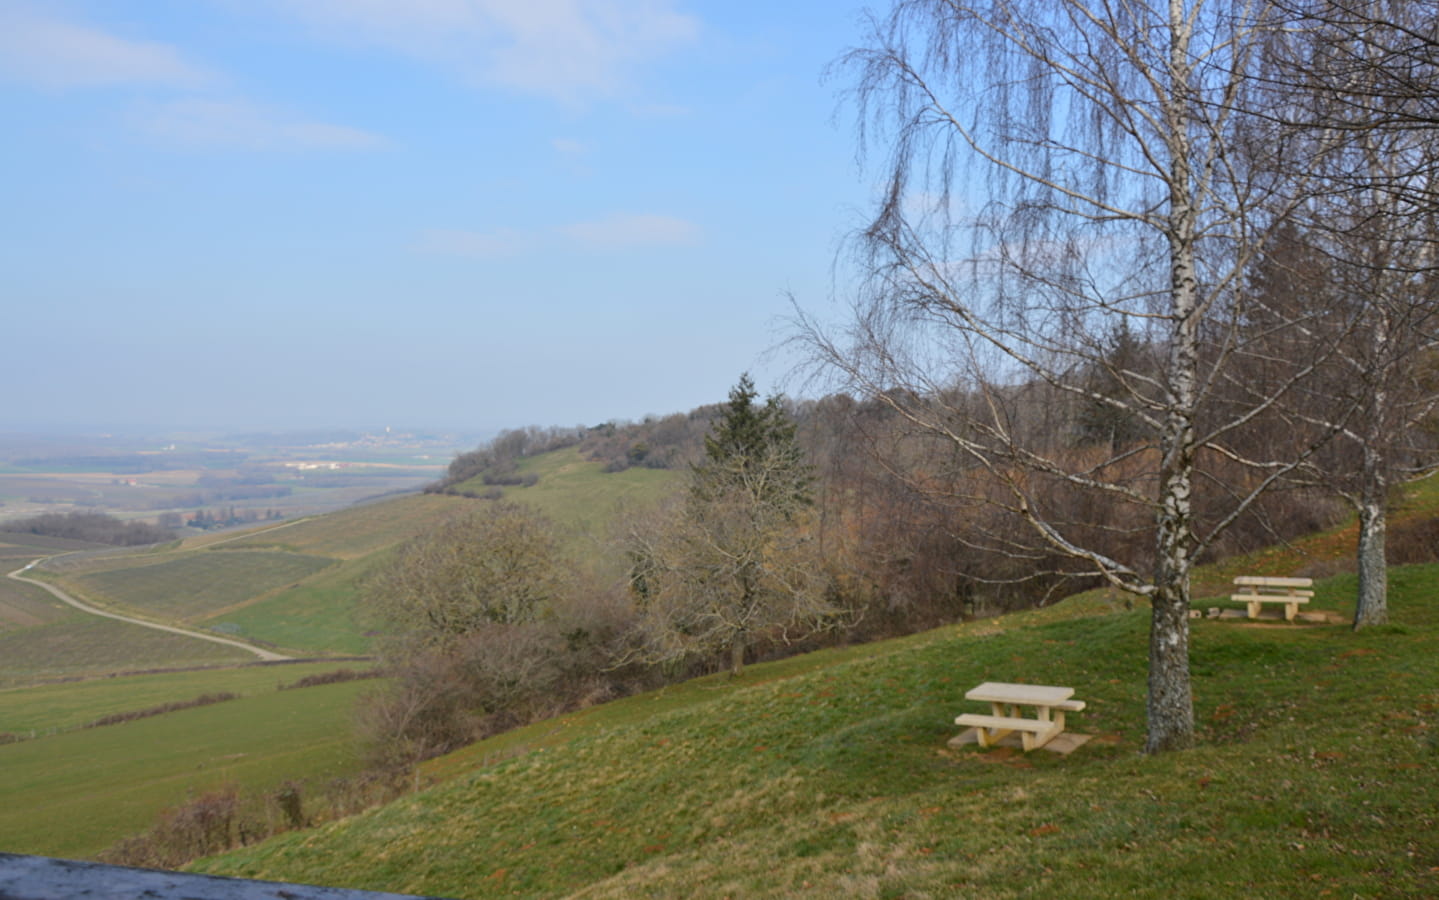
(335, 677)
(200, 827)
(500, 676)
(202, 700)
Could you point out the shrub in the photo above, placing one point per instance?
(335, 677)
(202, 700)
(199, 827)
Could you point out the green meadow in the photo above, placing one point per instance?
(828, 774)
(74, 793)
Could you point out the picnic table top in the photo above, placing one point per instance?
(1032, 694)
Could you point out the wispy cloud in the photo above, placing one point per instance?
(569, 147)
(571, 50)
(479, 245)
(188, 105)
(240, 125)
(630, 230)
(51, 53)
(618, 231)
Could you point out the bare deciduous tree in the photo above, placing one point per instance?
(1362, 80)
(734, 561)
(497, 564)
(1124, 212)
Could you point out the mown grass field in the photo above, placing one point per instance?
(75, 793)
(1317, 774)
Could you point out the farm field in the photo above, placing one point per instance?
(831, 775)
(49, 708)
(186, 587)
(76, 645)
(75, 793)
(251, 585)
(294, 585)
(346, 534)
(316, 616)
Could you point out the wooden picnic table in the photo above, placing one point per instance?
(1005, 700)
(1254, 590)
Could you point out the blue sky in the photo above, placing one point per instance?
(455, 213)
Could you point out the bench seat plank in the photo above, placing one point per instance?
(1008, 723)
(1032, 732)
(1272, 581)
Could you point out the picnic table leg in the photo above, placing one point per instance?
(988, 738)
(1032, 741)
(1290, 611)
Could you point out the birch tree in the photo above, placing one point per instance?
(1120, 198)
(1363, 78)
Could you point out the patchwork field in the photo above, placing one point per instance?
(293, 585)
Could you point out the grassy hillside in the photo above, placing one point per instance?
(74, 793)
(347, 534)
(292, 585)
(579, 494)
(830, 775)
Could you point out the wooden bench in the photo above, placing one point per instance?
(1005, 699)
(1254, 590)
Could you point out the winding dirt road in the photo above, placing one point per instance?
(19, 575)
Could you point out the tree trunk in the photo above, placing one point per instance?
(736, 657)
(1171, 705)
(1372, 606)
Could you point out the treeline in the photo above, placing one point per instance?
(799, 525)
(97, 528)
(658, 442)
(208, 520)
(494, 464)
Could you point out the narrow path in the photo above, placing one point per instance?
(18, 575)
